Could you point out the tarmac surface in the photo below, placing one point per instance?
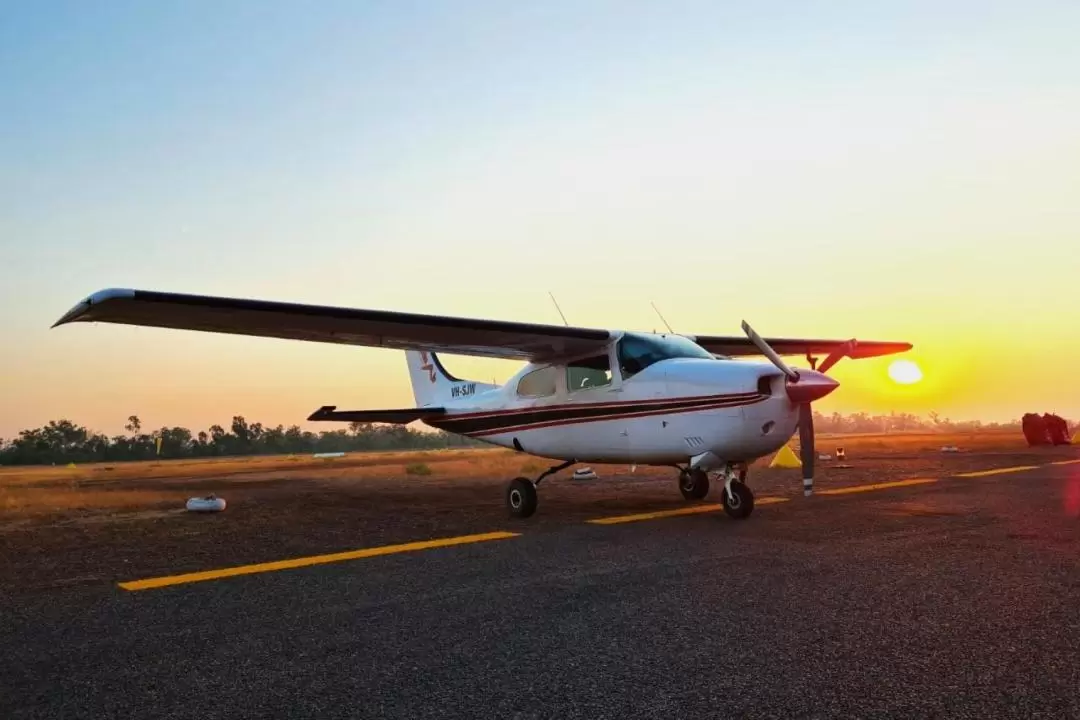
(954, 598)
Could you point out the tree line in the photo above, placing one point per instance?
(905, 422)
(62, 441)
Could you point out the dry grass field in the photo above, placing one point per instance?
(58, 490)
(61, 525)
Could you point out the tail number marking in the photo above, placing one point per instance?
(463, 390)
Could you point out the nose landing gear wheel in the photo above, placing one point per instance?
(743, 503)
(693, 484)
(521, 497)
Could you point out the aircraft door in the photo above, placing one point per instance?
(643, 434)
(594, 391)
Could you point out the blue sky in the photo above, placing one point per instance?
(879, 170)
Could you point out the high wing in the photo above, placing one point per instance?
(317, 323)
(399, 330)
(740, 345)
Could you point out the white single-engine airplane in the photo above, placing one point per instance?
(585, 396)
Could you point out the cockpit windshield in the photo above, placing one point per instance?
(637, 351)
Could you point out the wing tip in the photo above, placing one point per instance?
(72, 315)
(322, 413)
(79, 311)
(880, 349)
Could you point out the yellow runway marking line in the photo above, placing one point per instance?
(997, 471)
(876, 486)
(694, 510)
(312, 560)
(1065, 462)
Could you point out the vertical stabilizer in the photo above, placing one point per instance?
(432, 385)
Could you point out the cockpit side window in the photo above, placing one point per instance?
(538, 383)
(591, 372)
(635, 354)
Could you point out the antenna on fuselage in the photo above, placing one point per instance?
(661, 317)
(559, 309)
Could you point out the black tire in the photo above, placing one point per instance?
(521, 497)
(743, 505)
(693, 484)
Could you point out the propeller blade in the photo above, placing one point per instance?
(806, 447)
(815, 385)
(768, 351)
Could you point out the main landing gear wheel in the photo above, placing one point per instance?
(742, 504)
(521, 492)
(693, 484)
(521, 497)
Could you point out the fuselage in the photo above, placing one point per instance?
(648, 399)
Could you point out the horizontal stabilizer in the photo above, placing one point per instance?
(400, 417)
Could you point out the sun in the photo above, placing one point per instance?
(905, 372)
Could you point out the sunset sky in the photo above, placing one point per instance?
(905, 171)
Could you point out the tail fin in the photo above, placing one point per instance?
(432, 385)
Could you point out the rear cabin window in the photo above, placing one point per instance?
(538, 383)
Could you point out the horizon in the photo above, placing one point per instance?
(147, 429)
(834, 173)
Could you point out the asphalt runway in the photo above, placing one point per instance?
(956, 598)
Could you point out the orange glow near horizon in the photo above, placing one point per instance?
(195, 380)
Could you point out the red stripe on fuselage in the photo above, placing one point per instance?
(677, 401)
(618, 416)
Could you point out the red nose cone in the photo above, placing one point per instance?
(810, 386)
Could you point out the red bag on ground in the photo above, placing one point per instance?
(1035, 430)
